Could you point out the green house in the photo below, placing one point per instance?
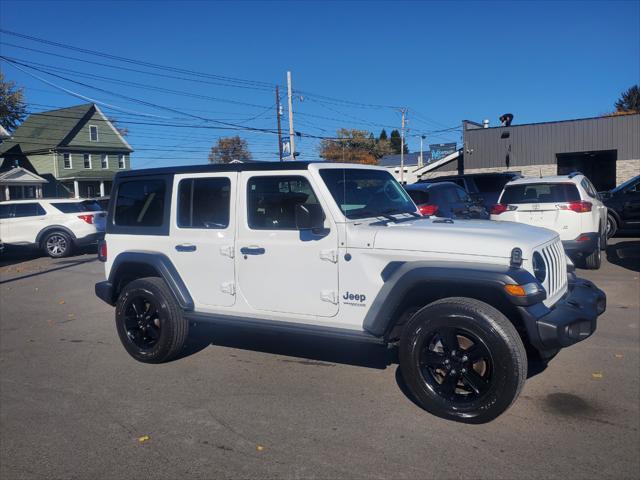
(76, 149)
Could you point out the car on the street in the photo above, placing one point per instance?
(483, 188)
(445, 199)
(56, 226)
(567, 204)
(623, 204)
(340, 251)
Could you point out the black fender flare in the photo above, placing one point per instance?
(161, 264)
(52, 228)
(400, 277)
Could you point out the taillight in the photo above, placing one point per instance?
(102, 251)
(428, 210)
(86, 218)
(578, 207)
(499, 208)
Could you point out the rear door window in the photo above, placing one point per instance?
(27, 210)
(204, 203)
(540, 193)
(140, 203)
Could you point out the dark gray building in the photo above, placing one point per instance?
(606, 149)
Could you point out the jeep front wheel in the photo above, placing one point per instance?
(150, 323)
(463, 360)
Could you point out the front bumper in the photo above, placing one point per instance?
(104, 291)
(575, 248)
(571, 320)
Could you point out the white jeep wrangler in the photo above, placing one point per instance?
(340, 251)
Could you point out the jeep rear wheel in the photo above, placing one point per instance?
(150, 323)
(463, 360)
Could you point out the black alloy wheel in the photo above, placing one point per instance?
(150, 323)
(142, 321)
(462, 359)
(455, 364)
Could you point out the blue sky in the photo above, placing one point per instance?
(444, 61)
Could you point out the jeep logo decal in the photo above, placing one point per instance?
(354, 298)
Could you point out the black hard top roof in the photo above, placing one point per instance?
(218, 167)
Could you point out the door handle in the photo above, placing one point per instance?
(185, 247)
(252, 250)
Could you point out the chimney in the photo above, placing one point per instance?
(485, 123)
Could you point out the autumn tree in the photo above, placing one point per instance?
(228, 149)
(12, 106)
(350, 146)
(629, 101)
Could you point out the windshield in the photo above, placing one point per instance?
(362, 193)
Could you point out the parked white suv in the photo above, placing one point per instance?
(55, 225)
(340, 251)
(568, 204)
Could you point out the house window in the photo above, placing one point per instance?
(121, 161)
(87, 160)
(93, 133)
(104, 161)
(67, 160)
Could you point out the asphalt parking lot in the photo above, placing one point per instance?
(73, 404)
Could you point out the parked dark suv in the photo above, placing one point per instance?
(445, 199)
(483, 188)
(623, 203)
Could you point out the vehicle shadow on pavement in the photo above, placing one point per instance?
(625, 255)
(301, 346)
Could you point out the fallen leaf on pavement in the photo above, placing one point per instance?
(619, 355)
(596, 375)
(260, 448)
(61, 302)
(144, 438)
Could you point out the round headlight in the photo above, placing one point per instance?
(539, 267)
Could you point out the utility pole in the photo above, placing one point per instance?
(278, 113)
(292, 133)
(422, 137)
(404, 112)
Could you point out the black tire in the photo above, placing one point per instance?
(594, 259)
(491, 360)
(57, 244)
(150, 323)
(612, 226)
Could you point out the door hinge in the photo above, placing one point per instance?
(228, 287)
(228, 251)
(331, 255)
(330, 296)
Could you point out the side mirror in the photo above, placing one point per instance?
(309, 216)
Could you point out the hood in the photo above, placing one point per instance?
(464, 237)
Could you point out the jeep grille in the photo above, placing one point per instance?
(556, 282)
